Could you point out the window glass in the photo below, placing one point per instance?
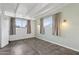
(47, 21)
(21, 23)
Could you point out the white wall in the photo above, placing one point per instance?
(70, 32)
(4, 30)
(22, 33)
(0, 30)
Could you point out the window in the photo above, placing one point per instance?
(21, 23)
(47, 21)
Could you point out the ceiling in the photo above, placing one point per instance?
(29, 10)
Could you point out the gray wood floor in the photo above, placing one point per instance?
(34, 46)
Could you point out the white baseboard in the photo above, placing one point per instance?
(3, 45)
(59, 44)
(16, 37)
(21, 38)
(51, 42)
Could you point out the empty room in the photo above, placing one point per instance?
(39, 28)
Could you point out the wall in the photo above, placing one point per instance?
(70, 32)
(0, 30)
(4, 30)
(22, 33)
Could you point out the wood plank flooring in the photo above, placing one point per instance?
(34, 46)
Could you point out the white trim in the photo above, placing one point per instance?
(59, 44)
(14, 38)
(3, 45)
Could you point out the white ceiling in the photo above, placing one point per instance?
(29, 10)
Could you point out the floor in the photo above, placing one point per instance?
(34, 46)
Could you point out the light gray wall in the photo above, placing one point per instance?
(0, 30)
(70, 31)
